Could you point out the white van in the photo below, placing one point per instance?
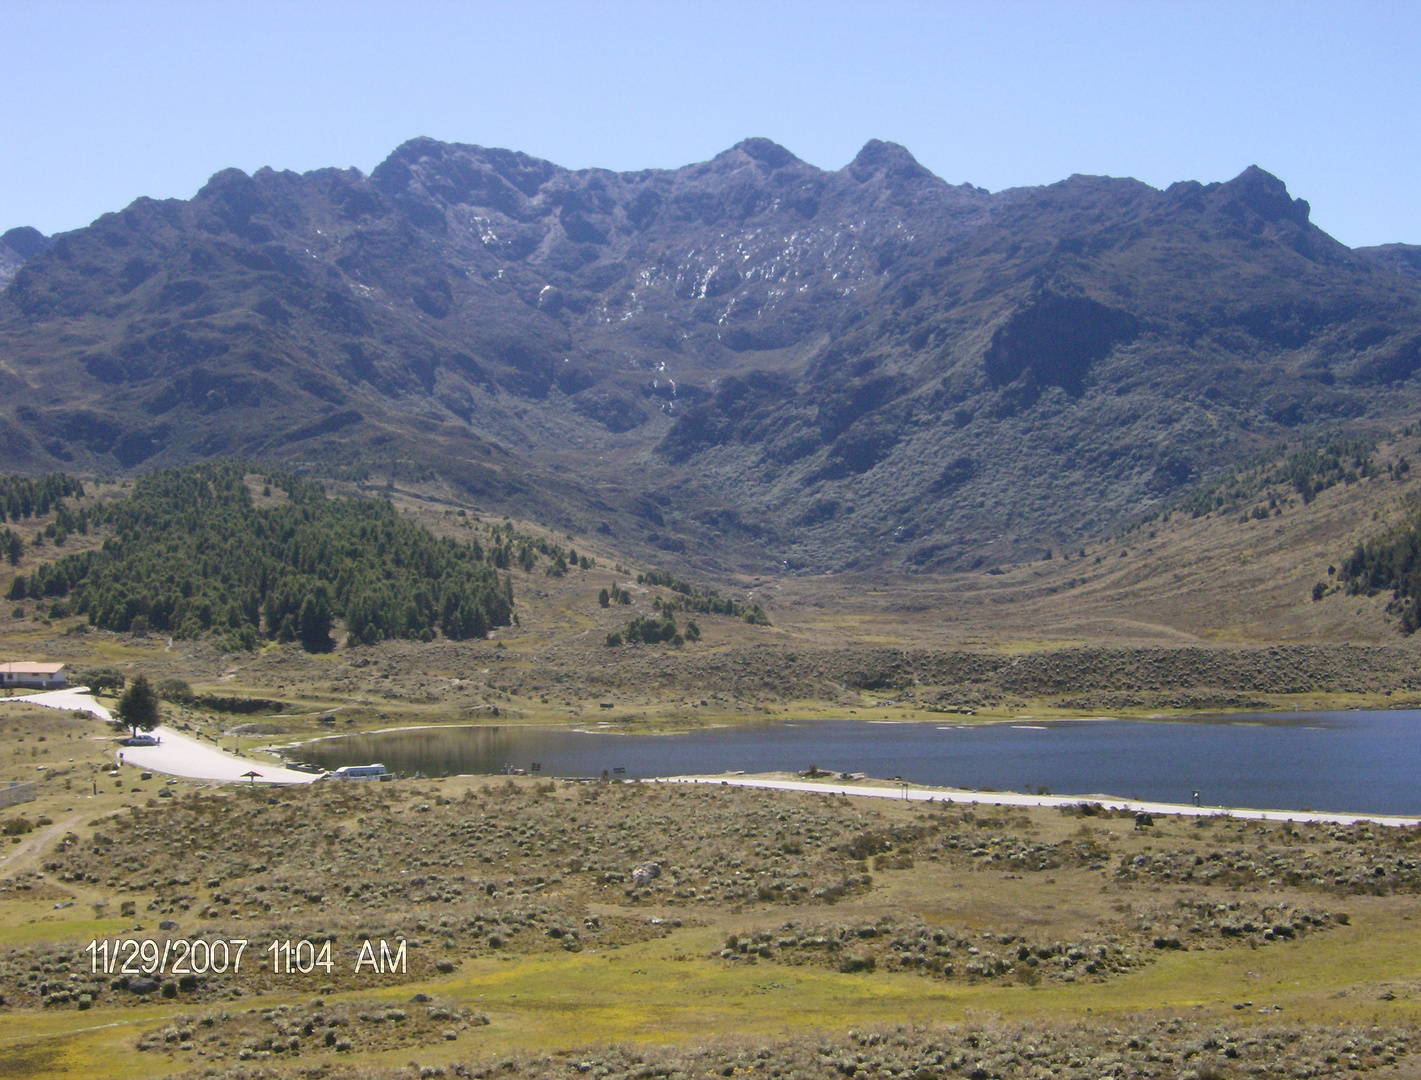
(356, 772)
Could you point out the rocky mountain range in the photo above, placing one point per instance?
(749, 362)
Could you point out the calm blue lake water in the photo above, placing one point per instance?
(1346, 762)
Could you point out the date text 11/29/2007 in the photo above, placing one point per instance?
(201, 956)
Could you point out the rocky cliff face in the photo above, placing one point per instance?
(747, 361)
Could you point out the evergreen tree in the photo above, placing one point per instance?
(138, 706)
(316, 620)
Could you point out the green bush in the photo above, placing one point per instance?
(101, 679)
(651, 631)
(177, 691)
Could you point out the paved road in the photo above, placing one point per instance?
(1007, 798)
(178, 754)
(73, 698)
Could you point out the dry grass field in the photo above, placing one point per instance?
(643, 930)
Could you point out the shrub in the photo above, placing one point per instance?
(100, 679)
(175, 690)
(653, 631)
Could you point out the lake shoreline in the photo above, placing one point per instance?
(1346, 764)
(887, 789)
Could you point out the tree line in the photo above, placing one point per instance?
(192, 554)
(25, 497)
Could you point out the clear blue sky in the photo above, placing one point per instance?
(101, 102)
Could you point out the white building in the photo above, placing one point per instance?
(32, 676)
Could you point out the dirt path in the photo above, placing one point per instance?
(28, 854)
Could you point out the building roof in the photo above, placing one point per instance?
(26, 668)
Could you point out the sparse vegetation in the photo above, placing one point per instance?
(621, 896)
(1391, 561)
(1260, 486)
(708, 602)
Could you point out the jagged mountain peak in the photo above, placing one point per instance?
(764, 151)
(1267, 196)
(886, 159)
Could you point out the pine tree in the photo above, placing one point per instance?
(138, 707)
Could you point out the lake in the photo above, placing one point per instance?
(1342, 762)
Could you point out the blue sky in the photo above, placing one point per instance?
(101, 102)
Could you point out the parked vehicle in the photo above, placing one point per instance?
(356, 772)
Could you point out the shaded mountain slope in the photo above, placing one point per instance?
(1404, 258)
(16, 246)
(749, 361)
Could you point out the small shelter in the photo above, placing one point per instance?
(33, 676)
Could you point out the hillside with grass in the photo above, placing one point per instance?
(1236, 597)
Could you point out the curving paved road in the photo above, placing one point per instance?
(176, 754)
(181, 755)
(73, 698)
